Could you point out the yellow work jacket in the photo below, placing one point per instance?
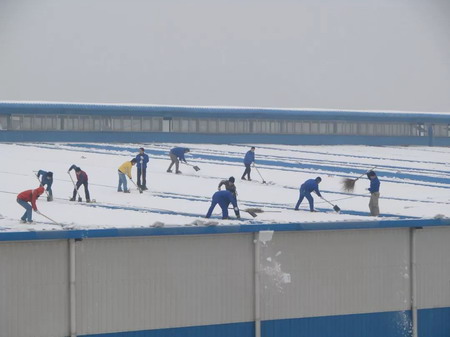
(126, 168)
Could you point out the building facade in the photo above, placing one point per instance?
(385, 278)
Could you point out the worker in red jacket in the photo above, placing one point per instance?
(25, 198)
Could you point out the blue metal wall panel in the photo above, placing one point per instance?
(432, 323)
(245, 329)
(384, 324)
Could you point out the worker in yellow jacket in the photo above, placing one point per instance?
(125, 169)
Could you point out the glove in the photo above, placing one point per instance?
(37, 211)
(236, 209)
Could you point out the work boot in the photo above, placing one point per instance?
(88, 200)
(178, 172)
(50, 198)
(119, 190)
(23, 221)
(243, 178)
(169, 171)
(126, 191)
(144, 188)
(72, 199)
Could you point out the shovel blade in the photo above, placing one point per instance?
(336, 208)
(196, 168)
(253, 214)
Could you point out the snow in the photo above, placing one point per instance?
(415, 183)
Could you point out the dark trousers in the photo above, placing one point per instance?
(308, 196)
(86, 190)
(175, 161)
(142, 171)
(247, 171)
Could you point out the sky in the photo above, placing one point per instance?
(415, 183)
(334, 54)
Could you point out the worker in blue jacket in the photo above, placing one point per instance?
(224, 198)
(141, 164)
(177, 154)
(248, 160)
(46, 179)
(310, 185)
(374, 190)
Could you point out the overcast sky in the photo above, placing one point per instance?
(340, 54)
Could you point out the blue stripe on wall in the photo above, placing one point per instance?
(245, 329)
(432, 323)
(383, 324)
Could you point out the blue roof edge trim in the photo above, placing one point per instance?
(226, 229)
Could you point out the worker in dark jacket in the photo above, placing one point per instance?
(46, 179)
(26, 197)
(82, 179)
(229, 185)
(374, 190)
(224, 198)
(141, 164)
(248, 160)
(309, 186)
(177, 154)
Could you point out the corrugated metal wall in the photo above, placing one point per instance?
(160, 282)
(34, 289)
(336, 273)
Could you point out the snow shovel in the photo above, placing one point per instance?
(40, 184)
(335, 207)
(75, 187)
(249, 211)
(140, 189)
(263, 181)
(38, 212)
(196, 168)
(349, 184)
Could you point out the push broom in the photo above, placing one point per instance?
(349, 184)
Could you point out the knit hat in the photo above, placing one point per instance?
(318, 179)
(371, 174)
(40, 190)
(231, 179)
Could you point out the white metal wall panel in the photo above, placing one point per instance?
(433, 267)
(34, 289)
(335, 273)
(159, 282)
